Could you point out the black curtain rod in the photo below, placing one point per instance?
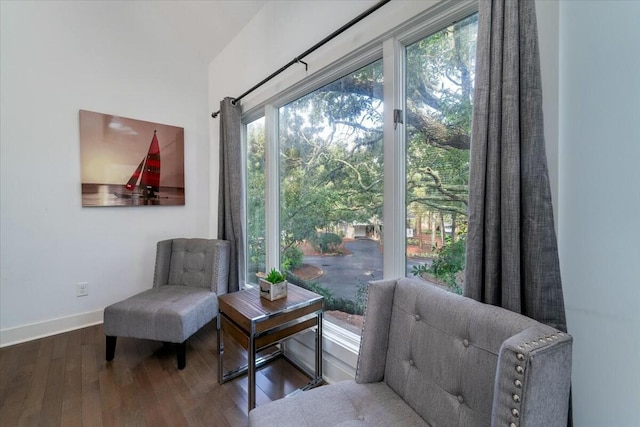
(298, 59)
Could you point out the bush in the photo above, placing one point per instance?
(327, 242)
(292, 258)
(331, 302)
(361, 298)
(418, 270)
(449, 261)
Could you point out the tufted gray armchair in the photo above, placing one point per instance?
(432, 358)
(189, 276)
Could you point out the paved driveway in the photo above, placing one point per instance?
(343, 274)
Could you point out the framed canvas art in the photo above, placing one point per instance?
(128, 162)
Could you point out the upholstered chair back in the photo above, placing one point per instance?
(193, 262)
(458, 362)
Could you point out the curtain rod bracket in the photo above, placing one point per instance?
(215, 114)
(306, 66)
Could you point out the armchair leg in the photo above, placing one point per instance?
(111, 347)
(181, 350)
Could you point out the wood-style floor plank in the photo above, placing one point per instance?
(32, 404)
(72, 389)
(64, 380)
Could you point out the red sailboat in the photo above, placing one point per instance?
(148, 172)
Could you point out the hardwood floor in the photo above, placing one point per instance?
(64, 380)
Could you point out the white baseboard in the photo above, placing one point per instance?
(32, 331)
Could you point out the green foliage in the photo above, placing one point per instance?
(450, 261)
(440, 77)
(331, 156)
(344, 305)
(419, 270)
(330, 301)
(327, 242)
(274, 276)
(292, 258)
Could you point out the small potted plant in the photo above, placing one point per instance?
(273, 285)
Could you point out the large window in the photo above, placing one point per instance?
(317, 183)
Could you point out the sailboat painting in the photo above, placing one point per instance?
(127, 162)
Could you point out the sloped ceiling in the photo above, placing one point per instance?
(207, 25)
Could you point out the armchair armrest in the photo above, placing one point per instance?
(533, 379)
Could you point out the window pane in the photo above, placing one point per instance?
(255, 221)
(439, 78)
(331, 191)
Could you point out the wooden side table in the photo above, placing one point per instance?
(256, 323)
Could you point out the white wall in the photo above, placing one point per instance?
(589, 59)
(110, 57)
(599, 210)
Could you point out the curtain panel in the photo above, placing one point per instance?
(230, 188)
(512, 255)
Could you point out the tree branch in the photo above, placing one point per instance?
(438, 183)
(440, 207)
(350, 166)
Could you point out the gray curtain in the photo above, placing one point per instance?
(512, 255)
(230, 191)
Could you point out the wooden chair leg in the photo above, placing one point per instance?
(111, 347)
(181, 350)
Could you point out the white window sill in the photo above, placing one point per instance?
(340, 352)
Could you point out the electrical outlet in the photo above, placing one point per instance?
(82, 289)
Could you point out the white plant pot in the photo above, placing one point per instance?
(272, 291)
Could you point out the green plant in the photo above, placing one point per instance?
(327, 242)
(418, 270)
(450, 260)
(330, 301)
(274, 276)
(292, 258)
(361, 298)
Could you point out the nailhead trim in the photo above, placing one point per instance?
(542, 340)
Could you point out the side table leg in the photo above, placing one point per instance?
(220, 349)
(252, 369)
(319, 348)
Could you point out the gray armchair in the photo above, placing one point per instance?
(432, 358)
(189, 276)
